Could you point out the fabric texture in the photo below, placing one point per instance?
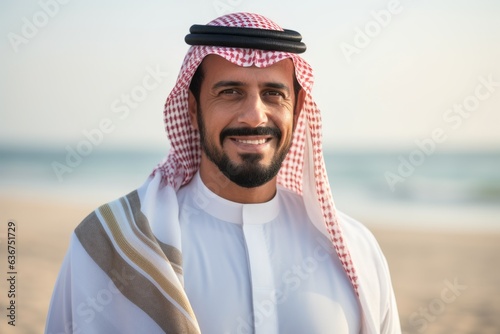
(123, 272)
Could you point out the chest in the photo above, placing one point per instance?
(278, 277)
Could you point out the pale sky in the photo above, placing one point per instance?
(392, 87)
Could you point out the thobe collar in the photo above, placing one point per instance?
(233, 212)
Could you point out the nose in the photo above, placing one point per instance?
(253, 112)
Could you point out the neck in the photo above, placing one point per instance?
(219, 184)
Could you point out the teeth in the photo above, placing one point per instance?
(252, 142)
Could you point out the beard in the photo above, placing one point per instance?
(250, 173)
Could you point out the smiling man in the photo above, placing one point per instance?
(246, 117)
(236, 231)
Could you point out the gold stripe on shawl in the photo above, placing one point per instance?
(142, 262)
(131, 283)
(142, 229)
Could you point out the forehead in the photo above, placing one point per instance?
(216, 68)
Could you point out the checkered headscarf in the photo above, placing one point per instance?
(303, 170)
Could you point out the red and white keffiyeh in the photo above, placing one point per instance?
(303, 170)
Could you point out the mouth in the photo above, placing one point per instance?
(251, 140)
(250, 145)
(259, 141)
(250, 136)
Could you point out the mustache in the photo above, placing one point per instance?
(260, 131)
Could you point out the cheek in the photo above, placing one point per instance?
(213, 126)
(286, 122)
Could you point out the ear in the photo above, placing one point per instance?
(299, 106)
(193, 110)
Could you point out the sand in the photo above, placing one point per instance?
(444, 282)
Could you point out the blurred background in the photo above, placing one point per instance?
(410, 100)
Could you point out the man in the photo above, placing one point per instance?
(236, 232)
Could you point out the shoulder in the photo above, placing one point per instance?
(362, 244)
(94, 230)
(95, 216)
(356, 232)
(374, 279)
(370, 262)
(368, 258)
(357, 235)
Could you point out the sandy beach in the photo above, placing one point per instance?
(444, 283)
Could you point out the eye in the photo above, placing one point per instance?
(274, 93)
(229, 92)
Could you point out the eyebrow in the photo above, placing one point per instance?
(227, 83)
(230, 83)
(277, 85)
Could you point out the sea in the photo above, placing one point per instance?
(449, 191)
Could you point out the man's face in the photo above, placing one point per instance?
(245, 117)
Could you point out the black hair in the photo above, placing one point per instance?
(196, 81)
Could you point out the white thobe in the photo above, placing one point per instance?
(247, 268)
(261, 268)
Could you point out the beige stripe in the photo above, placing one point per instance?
(141, 221)
(142, 262)
(139, 217)
(173, 255)
(138, 233)
(131, 283)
